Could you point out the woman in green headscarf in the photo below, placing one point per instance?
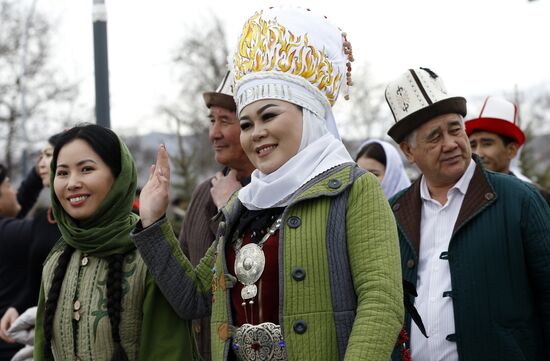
(98, 301)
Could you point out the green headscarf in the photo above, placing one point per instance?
(107, 231)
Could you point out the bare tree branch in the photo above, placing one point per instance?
(29, 84)
(200, 61)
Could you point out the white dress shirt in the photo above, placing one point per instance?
(434, 276)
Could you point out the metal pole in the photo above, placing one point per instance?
(101, 62)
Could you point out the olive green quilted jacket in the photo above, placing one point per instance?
(340, 234)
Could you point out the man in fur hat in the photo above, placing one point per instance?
(496, 138)
(199, 227)
(476, 244)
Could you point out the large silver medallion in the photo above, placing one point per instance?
(249, 264)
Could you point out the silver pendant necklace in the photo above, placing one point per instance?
(250, 263)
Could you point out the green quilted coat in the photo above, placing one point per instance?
(348, 306)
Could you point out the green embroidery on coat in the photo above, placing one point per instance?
(101, 308)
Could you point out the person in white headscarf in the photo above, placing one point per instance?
(382, 159)
(306, 263)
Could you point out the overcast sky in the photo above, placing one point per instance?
(476, 46)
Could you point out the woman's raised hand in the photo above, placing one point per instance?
(154, 196)
(7, 320)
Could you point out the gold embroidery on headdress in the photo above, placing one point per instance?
(269, 46)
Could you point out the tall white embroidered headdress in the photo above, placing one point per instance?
(295, 55)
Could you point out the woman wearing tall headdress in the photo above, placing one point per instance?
(306, 262)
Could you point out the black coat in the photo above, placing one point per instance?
(24, 245)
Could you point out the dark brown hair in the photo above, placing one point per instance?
(374, 151)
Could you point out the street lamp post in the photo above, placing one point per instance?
(101, 62)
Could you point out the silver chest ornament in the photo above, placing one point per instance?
(250, 262)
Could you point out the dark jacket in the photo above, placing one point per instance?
(545, 194)
(499, 257)
(15, 239)
(198, 230)
(24, 245)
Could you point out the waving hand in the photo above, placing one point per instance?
(154, 196)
